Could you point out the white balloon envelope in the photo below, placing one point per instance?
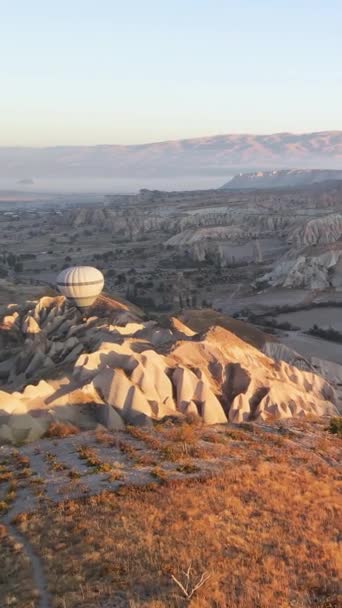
(80, 284)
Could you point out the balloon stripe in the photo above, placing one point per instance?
(76, 298)
(100, 281)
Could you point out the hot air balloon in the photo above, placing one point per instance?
(81, 285)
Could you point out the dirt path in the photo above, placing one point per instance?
(38, 575)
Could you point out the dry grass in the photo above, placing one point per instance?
(257, 528)
(266, 532)
(140, 459)
(61, 429)
(53, 463)
(8, 488)
(104, 437)
(174, 442)
(97, 465)
(5, 475)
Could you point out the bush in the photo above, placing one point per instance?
(61, 429)
(327, 334)
(18, 267)
(335, 426)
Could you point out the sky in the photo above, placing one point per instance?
(134, 71)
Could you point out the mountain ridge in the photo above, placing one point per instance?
(337, 132)
(208, 153)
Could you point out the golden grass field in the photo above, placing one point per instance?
(260, 531)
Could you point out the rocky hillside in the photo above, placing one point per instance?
(282, 178)
(327, 229)
(115, 369)
(185, 156)
(314, 259)
(309, 270)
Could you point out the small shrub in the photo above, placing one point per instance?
(159, 473)
(86, 453)
(186, 433)
(53, 462)
(3, 506)
(188, 467)
(335, 426)
(24, 473)
(115, 475)
(5, 476)
(194, 420)
(73, 474)
(20, 518)
(22, 461)
(61, 429)
(104, 437)
(237, 435)
(213, 438)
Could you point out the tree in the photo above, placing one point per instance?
(11, 259)
(121, 278)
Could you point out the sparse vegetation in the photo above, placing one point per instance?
(98, 466)
(61, 429)
(16, 586)
(244, 527)
(239, 523)
(53, 462)
(335, 426)
(327, 334)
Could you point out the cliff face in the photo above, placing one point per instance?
(128, 371)
(282, 178)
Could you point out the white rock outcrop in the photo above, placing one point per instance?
(125, 379)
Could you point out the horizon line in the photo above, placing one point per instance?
(181, 139)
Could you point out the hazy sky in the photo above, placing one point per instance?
(133, 71)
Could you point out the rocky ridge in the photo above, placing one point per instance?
(116, 369)
(282, 178)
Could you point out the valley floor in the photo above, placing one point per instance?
(178, 514)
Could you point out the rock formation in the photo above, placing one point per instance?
(319, 268)
(332, 372)
(327, 229)
(115, 369)
(282, 178)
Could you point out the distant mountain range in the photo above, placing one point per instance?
(217, 155)
(282, 178)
